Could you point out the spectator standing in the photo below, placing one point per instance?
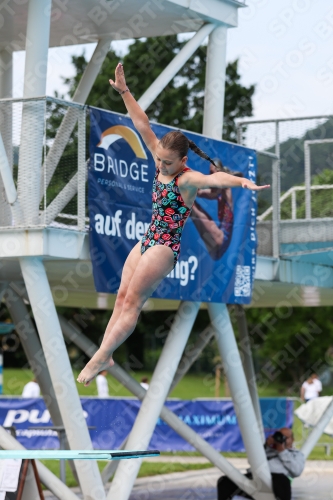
(102, 384)
(145, 383)
(311, 388)
(31, 390)
(318, 383)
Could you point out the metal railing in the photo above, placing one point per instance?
(60, 189)
(291, 193)
(301, 182)
(307, 169)
(60, 196)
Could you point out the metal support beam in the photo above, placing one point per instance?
(6, 124)
(240, 134)
(33, 350)
(276, 194)
(69, 121)
(153, 402)
(56, 356)
(60, 201)
(35, 355)
(190, 355)
(52, 483)
(9, 189)
(245, 348)
(293, 205)
(3, 288)
(73, 333)
(33, 113)
(174, 66)
(307, 179)
(6, 175)
(212, 127)
(317, 431)
(241, 397)
(81, 171)
(112, 466)
(307, 173)
(215, 83)
(6, 73)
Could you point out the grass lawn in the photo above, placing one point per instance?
(191, 387)
(146, 469)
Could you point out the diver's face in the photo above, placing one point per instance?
(168, 161)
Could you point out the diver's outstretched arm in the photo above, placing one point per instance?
(138, 116)
(218, 180)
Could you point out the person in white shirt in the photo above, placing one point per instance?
(317, 382)
(102, 384)
(144, 383)
(311, 388)
(31, 390)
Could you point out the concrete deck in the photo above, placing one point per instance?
(316, 482)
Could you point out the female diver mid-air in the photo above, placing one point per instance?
(175, 187)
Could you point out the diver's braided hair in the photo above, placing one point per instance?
(193, 147)
(177, 141)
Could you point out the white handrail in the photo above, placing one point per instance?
(289, 193)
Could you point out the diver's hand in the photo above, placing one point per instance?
(247, 184)
(120, 82)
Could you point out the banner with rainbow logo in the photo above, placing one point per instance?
(218, 247)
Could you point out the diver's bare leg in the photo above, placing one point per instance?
(128, 270)
(153, 266)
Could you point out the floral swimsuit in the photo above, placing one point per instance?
(169, 216)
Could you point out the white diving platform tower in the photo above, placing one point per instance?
(47, 265)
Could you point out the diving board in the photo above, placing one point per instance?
(76, 454)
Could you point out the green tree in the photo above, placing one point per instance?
(321, 199)
(180, 104)
(290, 343)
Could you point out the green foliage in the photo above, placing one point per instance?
(290, 343)
(321, 199)
(292, 160)
(287, 344)
(67, 165)
(180, 104)
(324, 177)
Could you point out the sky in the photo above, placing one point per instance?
(285, 48)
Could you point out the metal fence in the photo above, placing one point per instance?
(61, 193)
(295, 156)
(301, 175)
(304, 147)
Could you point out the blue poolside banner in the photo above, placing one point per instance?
(218, 247)
(214, 420)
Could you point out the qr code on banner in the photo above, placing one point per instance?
(242, 286)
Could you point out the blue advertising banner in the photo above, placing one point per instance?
(218, 248)
(214, 420)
